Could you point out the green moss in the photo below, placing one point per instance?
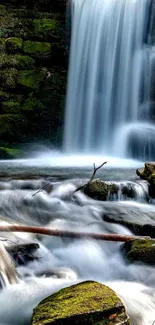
(140, 250)
(8, 78)
(85, 303)
(99, 190)
(32, 104)
(2, 45)
(31, 78)
(41, 48)
(14, 44)
(10, 127)
(7, 153)
(18, 61)
(11, 107)
(45, 25)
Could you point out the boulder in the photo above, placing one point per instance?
(84, 303)
(140, 250)
(138, 217)
(100, 190)
(148, 173)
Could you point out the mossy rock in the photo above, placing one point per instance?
(89, 303)
(14, 44)
(140, 250)
(2, 45)
(31, 78)
(10, 127)
(8, 78)
(32, 104)
(17, 61)
(9, 153)
(42, 26)
(10, 107)
(100, 190)
(148, 173)
(37, 48)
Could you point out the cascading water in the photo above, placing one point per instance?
(109, 78)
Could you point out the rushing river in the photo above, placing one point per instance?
(61, 262)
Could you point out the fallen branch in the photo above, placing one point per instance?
(66, 233)
(41, 189)
(92, 177)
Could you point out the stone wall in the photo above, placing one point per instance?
(33, 63)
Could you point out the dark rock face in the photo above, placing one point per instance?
(89, 303)
(140, 250)
(33, 63)
(148, 173)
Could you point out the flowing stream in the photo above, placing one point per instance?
(61, 262)
(110, 71)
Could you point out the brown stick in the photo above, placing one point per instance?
(92, 177)
(66, 233)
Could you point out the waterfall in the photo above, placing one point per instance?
(109, 78)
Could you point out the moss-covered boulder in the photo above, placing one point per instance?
(140, 250)
(31, 78)
(9, 153)
(40, 49)
(14, 44)
(148, 173)
(89, 303)
(100, 190)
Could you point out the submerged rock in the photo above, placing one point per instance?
(100, 190)
(138, 217)
(84, 303)
(140, 250)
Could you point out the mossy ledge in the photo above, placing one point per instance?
(33, 55)
(89, 303)
(140, 251)
(100, 190)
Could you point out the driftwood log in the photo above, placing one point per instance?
(66, 233)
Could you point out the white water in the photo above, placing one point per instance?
(109, 65)
(71, 261)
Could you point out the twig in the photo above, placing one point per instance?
(41, 189)
(92, 177)
(66, 233)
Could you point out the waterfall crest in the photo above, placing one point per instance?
(108, 88)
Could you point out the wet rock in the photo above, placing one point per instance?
(23, 253)
(8, 153)
(148, 173)
(138, 217)
(85, 303)
(140, 250)
(100, 190)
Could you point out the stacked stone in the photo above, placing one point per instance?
(32, 70)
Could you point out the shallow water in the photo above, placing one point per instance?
(62, 261)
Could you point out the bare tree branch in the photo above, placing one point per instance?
(41, 189)
(66, 233)
(92, 177)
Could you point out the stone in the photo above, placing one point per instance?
(138, 217)
(140, 251)
(100, 190)
(14, 44)
(37, 48)
(31, 78)
(89, 303)
(9, 153)
(148, 173)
